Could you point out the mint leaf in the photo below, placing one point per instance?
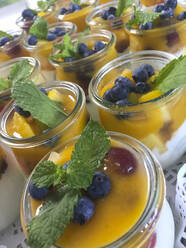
(20, 71)
(4, 34)
(28, 96)
(123, 5)
(4, 84)
(45, 5)
(87, 156)
(172, 75)
(142, 18)
(52, 221)
(47, 173)
(77, 1)
(39, 28)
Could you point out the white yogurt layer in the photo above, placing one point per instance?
(11, 188)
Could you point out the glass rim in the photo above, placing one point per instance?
(156, 194)
(37, 140)
(8, 63)
(93, 33)
(124, 59)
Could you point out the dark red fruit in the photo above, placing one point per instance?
(122, 159)
(152, 241)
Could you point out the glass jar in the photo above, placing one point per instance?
(95, 22)
(14, 48)
(169, 38)
(145, 232)
(43, 48)
(151, 2)
(82, 70)
(35, 75)
(77, 17)
(160, 124)
(28, 151)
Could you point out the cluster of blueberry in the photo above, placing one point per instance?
(5, 39)
(123, 86)
(51, 36)
(29, 14)
(109, 14)
(73, 7)
(84, 51)
(85, 207)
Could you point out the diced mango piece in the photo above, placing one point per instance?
(105, 88)
(42, 13)
(65, 155)
(54, 157)
(128, 73)
(55, 95)
(150, 96)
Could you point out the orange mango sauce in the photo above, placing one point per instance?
(115, 214)
(18, 126)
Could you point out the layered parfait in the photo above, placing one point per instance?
(79, 57)
(103, 191)
(14, 70)
(141, 96)
(113, 16)
(161, 27)
(41, 118)
(11, 45)
(41, 38)
(75, 11)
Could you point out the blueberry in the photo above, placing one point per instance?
(99, 187)
(182, 16)
(167, 13)
(118, 92)
(59, 32)
(20, 111)
(73, 7)
(32, 40)
(69, 59)
(146, 26)
(104, 14)
(88, 53)
(123, 102)
(112, 11)
(171, 3)
(63, 11)
(83, 211)
(43, 90)
(37, 193)
(140, 74)
(111, 17)
(82, 48)
(148, 68)
(28, 14)
(141, 88)
(108, 95)
(51, 36)
(4, 40)
(65, 165)
(124, 81)
(159, 8)
(99, 45)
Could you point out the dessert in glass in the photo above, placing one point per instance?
(75, 13)
(166, 33)
(151, 2)
(131, 214)
(104, 17)
(95, 49)
(29, 138)
(11, 45)
(41, 48)
(140, 109)
(5, 69)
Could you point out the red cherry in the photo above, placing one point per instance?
(123, 159)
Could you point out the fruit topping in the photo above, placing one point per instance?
(28, 14)
(181, 16)
(122, 159)
(20, 111)
(83, 211)
(37, 193)
(171, 3)
(146, 26)
(32, 40)
(140, 74)
(100, 186)
(51, 36)
(73, 7)
(4, 40)
(141, 88)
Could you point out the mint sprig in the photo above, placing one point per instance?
(123, 5)
(20, 71)
(4, 84)
(141, 18)
(44, 5)
(77, 1)
(4, 34)
(39, 28)
(58, 208)
(28, 96)
(172, 75)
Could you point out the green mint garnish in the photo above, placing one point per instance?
(28, 96)
(4, 84)
(4, 34)
(123, 5)
(20, 71)
(58, 207)
(39, 28)
(141, 18)
(45, 5)
(172, 75)
(77, 1)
